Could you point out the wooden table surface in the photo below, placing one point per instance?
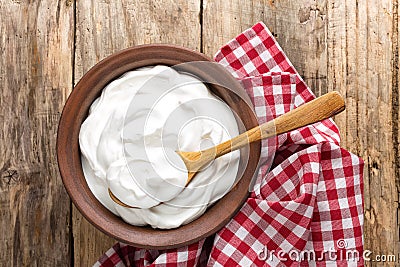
(46, 46)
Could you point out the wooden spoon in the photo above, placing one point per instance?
(316, 110)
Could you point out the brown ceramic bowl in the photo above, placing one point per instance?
(68, 152)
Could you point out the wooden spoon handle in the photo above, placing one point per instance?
(316, 110)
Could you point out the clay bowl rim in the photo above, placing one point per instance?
(69, 162)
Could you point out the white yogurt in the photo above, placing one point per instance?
(129, 139)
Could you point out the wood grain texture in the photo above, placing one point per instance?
(36, 42)
(298, 26)
(104, 27)
(88, 243)
(363, 63)
(351, 46)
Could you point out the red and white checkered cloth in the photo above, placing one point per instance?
(306, 210)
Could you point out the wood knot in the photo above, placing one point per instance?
(69, 3)
(271, 3)
(10, 176)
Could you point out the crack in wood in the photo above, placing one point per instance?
(201, 21)
(395, 104)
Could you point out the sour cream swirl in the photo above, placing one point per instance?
(129, 139)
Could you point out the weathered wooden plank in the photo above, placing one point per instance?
(36, 40)
(352, 47)
(104, 27)
(362, 64)
(302, 34)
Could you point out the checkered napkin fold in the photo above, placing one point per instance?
(306, 209)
